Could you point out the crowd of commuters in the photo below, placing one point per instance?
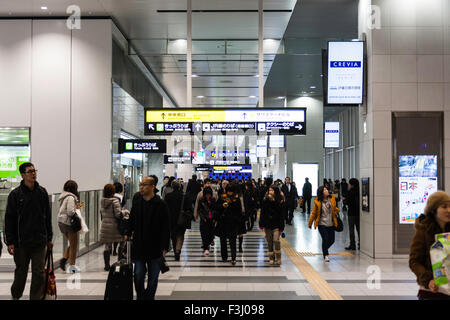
(226, 209)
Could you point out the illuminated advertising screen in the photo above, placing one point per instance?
(417, 181)
(198, 157)
(331, 135)
(345, 72)
(167, 121)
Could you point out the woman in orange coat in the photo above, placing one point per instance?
(324, 215)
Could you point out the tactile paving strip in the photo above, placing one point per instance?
(320, 286)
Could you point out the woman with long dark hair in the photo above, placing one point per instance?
(352, 201)
(229, 218)
(272, 220)
(324, 216)
(69, 203)
(110, 213)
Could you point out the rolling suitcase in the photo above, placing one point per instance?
(119, 285)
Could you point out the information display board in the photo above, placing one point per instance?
(345, 72)
(167, 121)
(417, 181)
(142, 146)
(331, 135)
(365, 192)
(231, 172)
(276, 141)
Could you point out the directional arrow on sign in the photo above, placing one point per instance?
(163, 115)
(299, 127)
(198, 126)
(244, 115)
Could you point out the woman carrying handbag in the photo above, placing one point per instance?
(69, 224)
(325, 215)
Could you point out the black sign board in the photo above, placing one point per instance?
(142, 146)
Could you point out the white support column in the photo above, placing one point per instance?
(189, 55)
(261, 54)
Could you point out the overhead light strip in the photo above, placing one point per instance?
(223, 11)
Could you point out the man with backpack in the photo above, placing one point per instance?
(28, 232)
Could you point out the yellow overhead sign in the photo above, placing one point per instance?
(185, 116)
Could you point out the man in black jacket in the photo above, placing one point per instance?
(150, 227)
(290, 194)
(28, 232)
(307, 195)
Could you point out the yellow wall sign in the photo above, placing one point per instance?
(185, 116)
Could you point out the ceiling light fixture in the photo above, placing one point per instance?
(194, 76)
(252, 96)
(44, 8)
(280, 98)
(200, 97)
(312, 87)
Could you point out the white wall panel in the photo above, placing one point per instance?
(15, 73)
(91, 104)
(50, 117)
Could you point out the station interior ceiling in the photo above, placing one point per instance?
(225, 43)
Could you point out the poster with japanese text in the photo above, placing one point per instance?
(417, 181)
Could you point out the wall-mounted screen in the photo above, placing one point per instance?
(300, 171)
(417, 181)
(331, 135)
(345, 72)
(198, 157)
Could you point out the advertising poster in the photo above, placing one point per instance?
(331, 136)
(10, 160)
(345, 72)
(365, 194)
(417, 181)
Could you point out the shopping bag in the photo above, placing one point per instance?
(49, 292)
(440, 260)
(84, 227)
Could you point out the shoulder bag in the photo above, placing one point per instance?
(49, 291)
(340, 226)
(75, 222)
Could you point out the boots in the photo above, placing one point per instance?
(177, 255)
(271, 258)
(241, 239)
(278, 256)
(106, 255)
(62, 264)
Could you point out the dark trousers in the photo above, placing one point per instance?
(327, 234)
(352, 223)
(207, 233)
(141, 268)
(306, 202)
(22, 257)
(223, 247)
(290, 214)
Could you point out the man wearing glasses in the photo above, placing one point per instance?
(28, 232)
(150, 229)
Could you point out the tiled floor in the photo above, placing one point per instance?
(197, 277)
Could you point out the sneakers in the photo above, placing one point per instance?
(271, 262)
(206, 253)
(74, 269)
(233, 262)
(350, 248)
(327, 259)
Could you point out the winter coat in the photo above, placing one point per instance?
(307, 191)
(204, 208)
(110, 212)
(317, 211)
(250, 202)
(28, 218)
(290, 196)
(229, 219)
(67, 207)
(166, 191)
(271, 215)
(352, 201)
(174, 201)
(200, 196)
(150, 229)
(419, 254)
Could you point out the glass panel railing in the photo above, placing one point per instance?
(90, 212)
